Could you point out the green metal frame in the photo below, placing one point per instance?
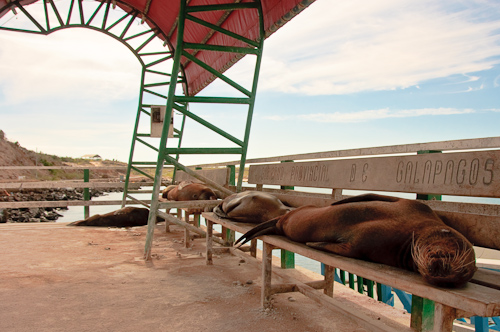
(78, 17)
(179, 103)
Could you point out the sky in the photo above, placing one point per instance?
(340, 75)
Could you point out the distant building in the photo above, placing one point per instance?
(92, 156)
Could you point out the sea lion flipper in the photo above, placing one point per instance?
(367, 198)
(265, 228)
(343, 249)
(219, 212)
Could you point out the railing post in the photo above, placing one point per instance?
(232, 175)
(422, 310)
(86, 193)
(287, 257)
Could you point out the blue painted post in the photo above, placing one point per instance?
(480, 323)
(384, 294)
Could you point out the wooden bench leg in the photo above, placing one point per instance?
(443, 318)
(253, 248)
(197, 220)
(430, 316)
(187, 237)
(209, 253)
(329, 278)
(267, 258)
(167, 223)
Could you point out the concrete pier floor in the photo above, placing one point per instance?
(55, 277)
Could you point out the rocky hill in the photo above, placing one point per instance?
(13, 154)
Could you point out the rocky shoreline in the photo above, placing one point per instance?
(25, 215)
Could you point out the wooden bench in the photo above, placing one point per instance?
(470, 174)
(222, 176)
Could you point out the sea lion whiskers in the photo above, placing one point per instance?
(458, 262)
(452, 265)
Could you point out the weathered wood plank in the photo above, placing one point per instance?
(298, 198)
(463, 173)
(209, 204)
(64, 184)
(480, 230)
(219, 175)
(453, 145)
(74, 168)
(487, 278)
(60, 204)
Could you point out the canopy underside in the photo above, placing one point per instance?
(164, 15)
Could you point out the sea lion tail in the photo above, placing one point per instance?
(265, 228)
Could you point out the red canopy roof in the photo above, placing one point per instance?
(164, 14)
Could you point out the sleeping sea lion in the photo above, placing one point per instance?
(393, 231)
(125, 217)
(189, 191)
(251, 207)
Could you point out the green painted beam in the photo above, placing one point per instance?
(213, 100)
(117, 22)
(207, 124)
(106, 14)
(58, 16)
(216, 73)
(221, 48)
(147, 144)
(127, 27)
(223, 31)
(139, 34)
(203, 151)
(158, 72)
(155, 93)
(95, 13)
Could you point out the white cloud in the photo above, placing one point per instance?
(368, 115)
(378, 45)
(76, 64)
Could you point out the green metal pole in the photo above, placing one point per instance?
(134, 138)
(252, 98)
(181, 133)
(163, 141)
(287, 257)
(86, 193)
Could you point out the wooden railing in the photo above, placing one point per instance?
(85, 183)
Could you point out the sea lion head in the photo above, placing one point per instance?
(165, 191)
(251, 206)
(189, 191)
(443, 257)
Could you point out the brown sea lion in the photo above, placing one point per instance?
(393, 231)
(124, 217)
(188, 191)
(251, 207)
